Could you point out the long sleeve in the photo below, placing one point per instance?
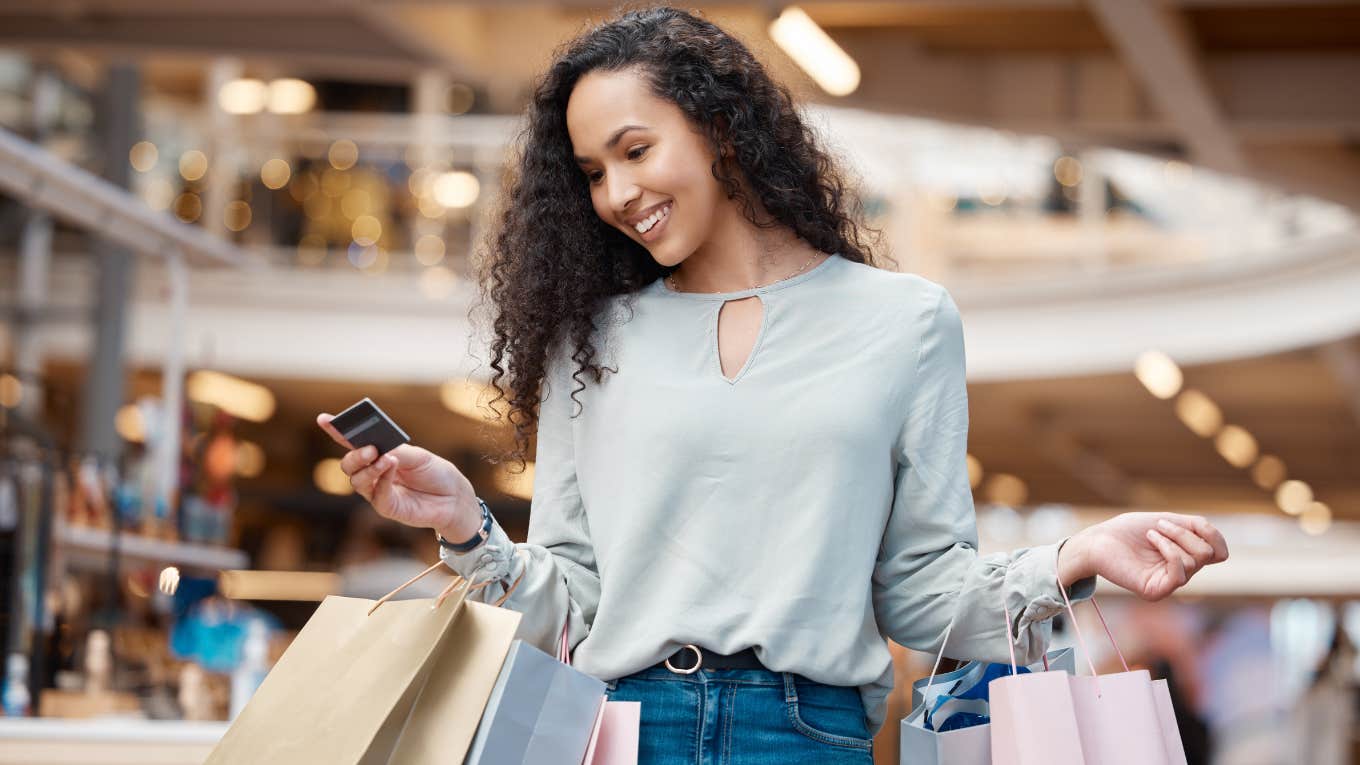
(928, 568)
(561, 582)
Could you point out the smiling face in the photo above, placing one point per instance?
(648, 167)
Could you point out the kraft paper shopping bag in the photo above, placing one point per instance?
(345, 688)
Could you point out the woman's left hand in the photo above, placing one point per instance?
(1149, 554)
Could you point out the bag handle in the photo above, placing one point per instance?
(1010, 641)
(563, 652)
(457, 580)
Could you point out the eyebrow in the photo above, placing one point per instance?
(613, 140)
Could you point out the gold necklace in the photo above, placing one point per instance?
(671, 277)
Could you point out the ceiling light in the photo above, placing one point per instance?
(1236, 445)
(1199, 413)
(456, 189)
(1159, 374)
(815, 52)
(1268, 472)
(291, 96)
(1293, 497)
(243, 96)
(237, 397)
(1315, 519)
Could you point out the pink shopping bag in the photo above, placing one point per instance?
(614, 741)
(1058, 719)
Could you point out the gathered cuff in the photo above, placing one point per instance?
(490, 561)
(1034, 576)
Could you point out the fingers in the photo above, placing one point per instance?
(364, 468)
(1174, 555)
(358, 459)
(365, 481)
(1205, 531)
(1200, 551)
(324, 421)
(382, 488)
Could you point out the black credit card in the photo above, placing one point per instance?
(364, 424)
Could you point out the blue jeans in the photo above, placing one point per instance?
(745, 717)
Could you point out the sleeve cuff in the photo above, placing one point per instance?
(1035, 575)
(489, 561)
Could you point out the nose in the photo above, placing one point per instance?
(623, 193)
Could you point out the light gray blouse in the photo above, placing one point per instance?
(810, 506)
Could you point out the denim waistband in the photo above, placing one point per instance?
(706, 676)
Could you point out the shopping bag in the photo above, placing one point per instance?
(541, 712)
(967, 676)
(615, 738)
(963, 746)
(949, 722)
(614, 741)
(346, 686)
(1059, 719)
(1166, 720)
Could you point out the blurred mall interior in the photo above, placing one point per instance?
(218, 219)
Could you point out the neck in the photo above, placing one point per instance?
(739, 255)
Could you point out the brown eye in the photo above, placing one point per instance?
(637, 153)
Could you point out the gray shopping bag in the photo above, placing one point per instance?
(541, 712)
(965, 746)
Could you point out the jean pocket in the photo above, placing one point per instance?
(827, 713)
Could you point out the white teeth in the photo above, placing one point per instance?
(645, 225)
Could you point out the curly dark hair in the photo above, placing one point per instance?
(550, 262)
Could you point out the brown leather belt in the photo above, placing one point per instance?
(692, 658)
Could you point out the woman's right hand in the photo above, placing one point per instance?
(411, 485)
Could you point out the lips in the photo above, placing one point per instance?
(659, 227)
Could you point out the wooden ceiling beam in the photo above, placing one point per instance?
(1157, 48)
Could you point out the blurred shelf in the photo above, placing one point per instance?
(36, 741)
(90, 547)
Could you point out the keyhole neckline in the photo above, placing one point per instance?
(660, 285)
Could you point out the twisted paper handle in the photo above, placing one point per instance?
(457, 580)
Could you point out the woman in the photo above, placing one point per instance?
(771, 476)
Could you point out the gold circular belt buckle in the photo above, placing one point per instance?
(698, 662)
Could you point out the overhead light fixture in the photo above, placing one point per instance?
(237, 397)
(1294, 497)
(1315, 519)
(1199, 413)
(456, 189)
(1158, 373)
(291, 96)
(243, 96)
(1269, 472)
(1236, 445)
(815, 52)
